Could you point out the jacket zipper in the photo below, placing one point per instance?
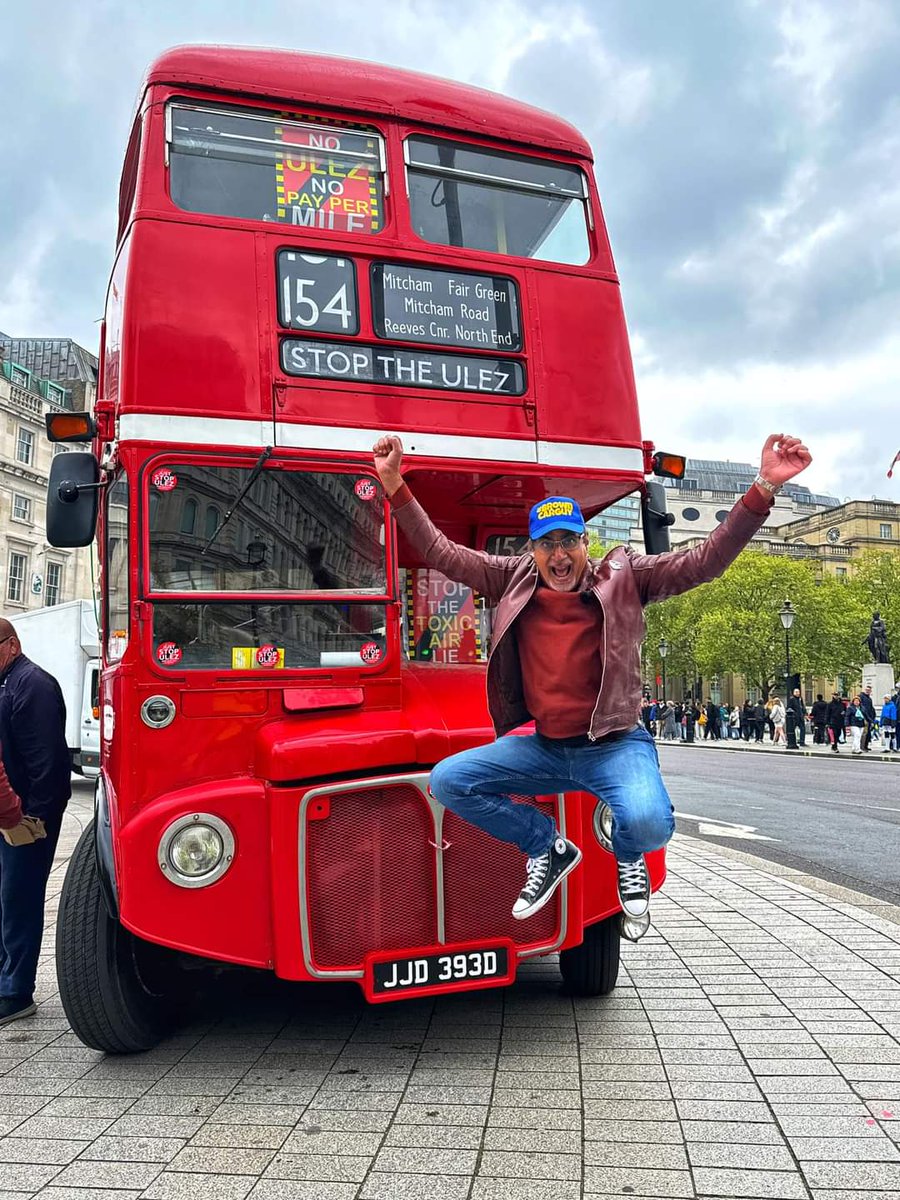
(590, 732)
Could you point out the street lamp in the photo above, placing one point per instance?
(787, 614)
(663, 651)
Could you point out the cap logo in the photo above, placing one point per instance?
(555, 508)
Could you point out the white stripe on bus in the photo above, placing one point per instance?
(215, 431)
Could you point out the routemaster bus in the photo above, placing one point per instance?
(312, 252)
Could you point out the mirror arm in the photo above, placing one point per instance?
(68, 491)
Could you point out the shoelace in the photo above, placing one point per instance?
(632, 877)
(537, 870)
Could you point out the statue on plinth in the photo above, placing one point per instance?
(877, 640)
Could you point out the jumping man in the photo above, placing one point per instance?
(567, 632)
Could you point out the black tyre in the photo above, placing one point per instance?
(113, 985)
(592, 968)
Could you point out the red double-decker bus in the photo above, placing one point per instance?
(311, 252)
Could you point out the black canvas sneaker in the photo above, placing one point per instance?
(13, 1007)
(545, 874)
(634, 887)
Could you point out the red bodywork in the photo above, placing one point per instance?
(322, 774)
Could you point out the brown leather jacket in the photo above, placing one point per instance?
(623, 582)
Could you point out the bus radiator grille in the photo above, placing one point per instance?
(483, 877)
(371, 875)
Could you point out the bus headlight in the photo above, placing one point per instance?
(197, 850)
(158, 712)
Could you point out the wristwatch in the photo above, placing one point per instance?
(772, 488)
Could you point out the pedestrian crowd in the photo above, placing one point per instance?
(844, 720)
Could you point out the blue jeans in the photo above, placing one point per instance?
(623, 771)
(24, 871)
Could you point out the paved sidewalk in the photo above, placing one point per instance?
(751, 1049)
(810, 750)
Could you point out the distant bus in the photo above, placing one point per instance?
(313, 251)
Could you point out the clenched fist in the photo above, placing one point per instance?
(388, 455)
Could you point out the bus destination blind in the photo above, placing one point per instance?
(394, 366)
(445, 308)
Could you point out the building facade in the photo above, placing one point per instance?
(34, 574)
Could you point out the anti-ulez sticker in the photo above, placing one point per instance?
(168, 654)
(370, 653)
(164, 479)
(365, 489)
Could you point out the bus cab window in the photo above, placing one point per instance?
(462, 195)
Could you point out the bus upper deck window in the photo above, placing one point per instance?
(232, 163)
(462, 195)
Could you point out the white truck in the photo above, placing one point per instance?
(63, 640)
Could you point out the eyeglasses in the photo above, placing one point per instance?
(547, 545)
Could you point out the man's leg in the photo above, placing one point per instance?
(24, 871)
(624, 773)
(478, 785)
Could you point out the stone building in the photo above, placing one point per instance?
(35, 574)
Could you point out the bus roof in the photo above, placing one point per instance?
(364, 87)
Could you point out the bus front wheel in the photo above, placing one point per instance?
(114, 986)
(592, 968)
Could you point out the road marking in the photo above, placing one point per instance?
(729, 829)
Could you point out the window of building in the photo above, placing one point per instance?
(53, 584)
(884, 531)
(15, 582)
(56, 393)
(17, 375)
(721, 515)
(25, 446)
(213, 516)
(690, 514)
(21, 507)
(62, 448)
(840, 572)
(189, 515)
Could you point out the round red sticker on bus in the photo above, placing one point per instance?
(366, 489)
(267, 656)
(168, 653)
(370, 653)
(164, 479)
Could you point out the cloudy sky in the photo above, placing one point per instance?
(748, 156)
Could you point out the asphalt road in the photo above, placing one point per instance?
(839, 821)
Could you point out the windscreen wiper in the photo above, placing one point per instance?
(251, 479)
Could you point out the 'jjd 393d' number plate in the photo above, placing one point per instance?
(451, 968)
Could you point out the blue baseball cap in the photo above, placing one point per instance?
(556, 512)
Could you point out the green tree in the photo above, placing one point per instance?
(732, 624)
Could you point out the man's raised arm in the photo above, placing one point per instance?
(486, 573)
(662, 575)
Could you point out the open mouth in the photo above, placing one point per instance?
(561, 573)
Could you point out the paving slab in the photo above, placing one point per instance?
(750, 1050)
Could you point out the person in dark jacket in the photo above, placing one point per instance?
(834, 715)
(759, 720)
(867, 705)
(819, 719)
(796, 706)
(566, 654)
(38, 767)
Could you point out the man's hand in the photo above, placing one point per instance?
(28, 830)
(388, 455)
(783, 457)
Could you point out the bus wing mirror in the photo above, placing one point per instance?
(73, 499)
(70, 427)
(655, 519)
